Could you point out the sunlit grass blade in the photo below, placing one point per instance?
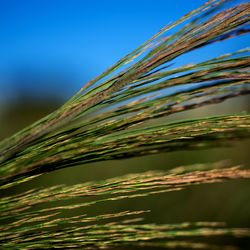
(163, 137)
(122, 113)
(198, 36)
(32, 226)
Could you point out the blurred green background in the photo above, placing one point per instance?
(228, 202)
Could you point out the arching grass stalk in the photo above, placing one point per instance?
(194, 36)
(108, 119)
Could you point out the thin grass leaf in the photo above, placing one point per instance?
(209, 29)
(164, 137)
(81, 230)
(111, 118)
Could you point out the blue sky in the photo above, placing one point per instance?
(50, 46)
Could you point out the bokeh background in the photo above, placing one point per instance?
(50, 49)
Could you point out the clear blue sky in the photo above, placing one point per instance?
(50, 46)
